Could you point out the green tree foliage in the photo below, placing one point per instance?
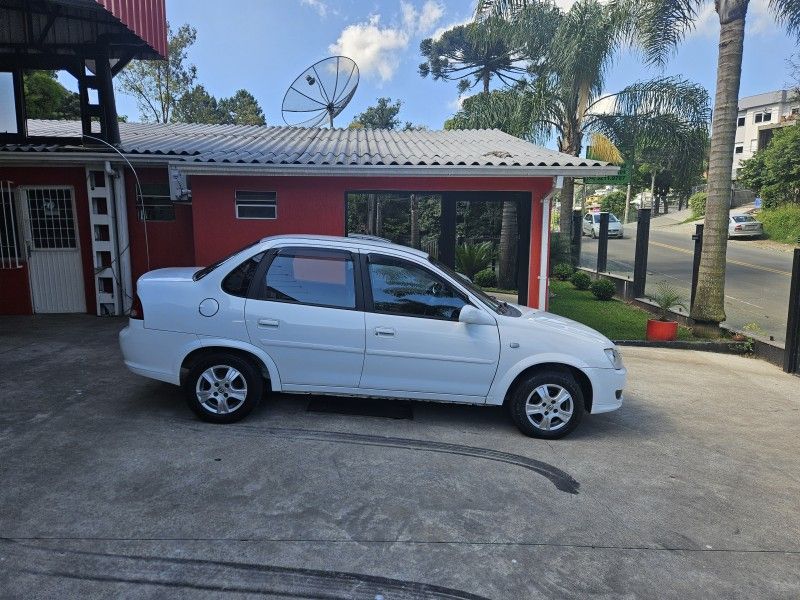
(774, 172)
(46, 98)
(697, 202)
(613, 203)
(197, 106)
(158, 85)
(472, 54)
(167, 92)
(384, 115)
(242, 109)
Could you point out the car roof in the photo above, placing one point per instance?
(365, 242)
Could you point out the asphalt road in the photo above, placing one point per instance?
(756, 283)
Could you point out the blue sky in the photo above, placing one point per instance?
(262, 45)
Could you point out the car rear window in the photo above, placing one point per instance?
(743, 218)
(237, 282)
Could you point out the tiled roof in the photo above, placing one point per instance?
(267, 145)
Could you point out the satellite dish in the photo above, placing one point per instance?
(321, 91)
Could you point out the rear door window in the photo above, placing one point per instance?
(313, 276)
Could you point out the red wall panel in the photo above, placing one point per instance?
(170, 243)
(14, 288)
(316, 205)
(15, 298)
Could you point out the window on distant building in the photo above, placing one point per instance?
(758, 117)
(256, 205)
(156, 203)
(767, 117)
(740, 122)
(738, 149)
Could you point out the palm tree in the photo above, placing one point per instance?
(570, 80)
(660, 25)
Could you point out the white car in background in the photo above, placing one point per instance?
(361, 317)
(591, 226)
(744, 226)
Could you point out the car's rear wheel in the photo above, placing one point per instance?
(223, 388)
(549, 404)
(594, 235)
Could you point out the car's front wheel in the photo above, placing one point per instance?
(547, 405)
(223, 388)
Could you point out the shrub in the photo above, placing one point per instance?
(603, 289)
(667, 297)
(563, 271)
(782, 224)
(697, 202)
(471, 258)
(559, 248)
(581, 280)
(486, 278)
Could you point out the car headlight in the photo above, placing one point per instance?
(614, 357)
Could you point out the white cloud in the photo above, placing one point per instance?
(377, 48)
(374, 48)
(318, 5)
(430, 14)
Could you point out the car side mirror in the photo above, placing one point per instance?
(472, 316)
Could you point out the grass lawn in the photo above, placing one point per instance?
(614, 319)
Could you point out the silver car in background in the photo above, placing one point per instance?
(744, 226)
(591, 225)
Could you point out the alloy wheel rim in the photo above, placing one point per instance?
(221, 389)
(549, 407)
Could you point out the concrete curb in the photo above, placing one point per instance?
(719, 346)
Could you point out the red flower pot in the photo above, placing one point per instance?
(662, 331)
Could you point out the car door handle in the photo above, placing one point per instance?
(268, 323)
(384, 331)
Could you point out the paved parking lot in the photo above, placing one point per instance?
(111, 488)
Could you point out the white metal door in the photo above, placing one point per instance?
(54, 256)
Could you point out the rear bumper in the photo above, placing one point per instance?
(607, 388)
(154, 353)
(748, 234)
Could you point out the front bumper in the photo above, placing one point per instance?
(607, 388)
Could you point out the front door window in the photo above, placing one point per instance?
(401, 288)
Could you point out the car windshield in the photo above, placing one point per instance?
(198, 275)
(743, 218)
(613, 218)
(496, 305)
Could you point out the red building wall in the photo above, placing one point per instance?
(316, 205)
(170, 243)
(15, 297)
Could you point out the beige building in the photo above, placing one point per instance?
(759, 116)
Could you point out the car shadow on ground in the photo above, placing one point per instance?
(634, 420)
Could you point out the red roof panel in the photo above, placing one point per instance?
(146, 18)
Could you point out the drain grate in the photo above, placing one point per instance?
(362, 407)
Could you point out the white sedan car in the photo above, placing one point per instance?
(744, 226)
(591, 226)
(361, 317)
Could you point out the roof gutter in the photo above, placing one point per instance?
(192, 168)
(305, 170)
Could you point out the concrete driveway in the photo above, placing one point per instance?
(109, 487)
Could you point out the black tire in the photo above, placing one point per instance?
(249, 375)
(594, 236)
(526, 388)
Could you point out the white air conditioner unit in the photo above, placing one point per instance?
(178, 189)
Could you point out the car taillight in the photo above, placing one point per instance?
(738, 228)
(137, 312)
